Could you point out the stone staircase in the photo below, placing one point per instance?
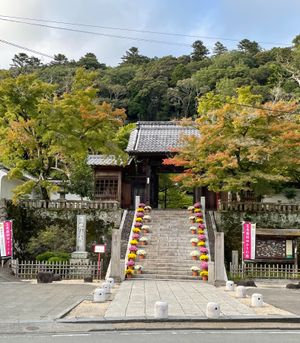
(168, 249)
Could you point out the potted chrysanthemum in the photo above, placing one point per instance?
(147, 218)
(148, 209)
(191, 209)
(193, 230)
(145, 228)
(194, 241)
(143, 240)
(131, 256)
(195, 270)
(141, 253)
(204, 275)
(138, 268)
(203, 257)
(194, 254)
(129, 273)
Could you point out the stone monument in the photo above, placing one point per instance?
(80, 255)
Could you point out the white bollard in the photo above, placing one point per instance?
(212, 310)
(99, 295)
(257, 300)
(106, 287)
(111, 281)
(161, 309)
(229, 286)
(240, 292)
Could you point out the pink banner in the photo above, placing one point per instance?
(8, 237)
(247, 241)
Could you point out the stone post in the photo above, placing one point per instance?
(211, 273)
(202, 201)
(115, 270)
(219, 259)
(80, 255)
(235, 258)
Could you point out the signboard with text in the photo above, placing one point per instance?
(6, 238)
(249, 240)
(99, 248)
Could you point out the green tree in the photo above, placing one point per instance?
(45, 135)
(200, 51)
(250, 47)
(81, 180)
(90, 61)
(132, 56)
(219, 49)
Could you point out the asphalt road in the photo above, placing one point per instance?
(283, 298)
(173, 336)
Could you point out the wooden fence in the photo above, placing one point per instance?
(72, 205)
(258, 207)
(67, 270)
(264, 271)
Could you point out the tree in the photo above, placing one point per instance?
(200, 51)
(132, 56)
(241, 148)
(81, 180)
(60, 59)
(89, 61)
(45, 135)
(22, 63)
(219, 49)
(249, 47)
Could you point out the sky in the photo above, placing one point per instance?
(275, 21)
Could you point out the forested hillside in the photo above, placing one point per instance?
(168, 87)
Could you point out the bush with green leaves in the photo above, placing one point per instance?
(52, 239)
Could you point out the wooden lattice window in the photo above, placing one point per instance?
(107, 187)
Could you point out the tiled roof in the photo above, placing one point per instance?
(103, 160)
(158, 136)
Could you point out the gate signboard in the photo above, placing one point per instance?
(6, 238)
(249, 240)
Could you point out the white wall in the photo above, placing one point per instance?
(7, 186)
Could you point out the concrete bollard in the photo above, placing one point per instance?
(100, 295)
(212, 310)
(257, 300)
(106, 287)
(229, 286)
(111, 281)
(240, 292)
(161, 309)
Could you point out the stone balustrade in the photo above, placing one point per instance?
(258, 207)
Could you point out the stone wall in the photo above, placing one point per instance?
(29, 221)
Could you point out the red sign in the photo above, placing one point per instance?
(249, 241)
(6, 238)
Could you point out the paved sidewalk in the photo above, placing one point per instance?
(185, 299)
(23, 301)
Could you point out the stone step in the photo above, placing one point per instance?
(166, 277)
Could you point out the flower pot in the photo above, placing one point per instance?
(194, 244)
(129, 276)
(193, 232)
(194, 273)
(131, 259)
(141, 257)
(195, 258)
(204, 278)
(192, 221)
(143, 243)
(139, 271)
